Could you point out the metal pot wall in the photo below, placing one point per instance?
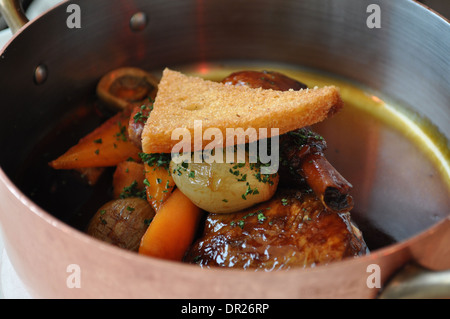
(48, 65)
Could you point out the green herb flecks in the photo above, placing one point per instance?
(156, 159)
(261, 218)
(102, 220)
(133, 191)
(143, 113)
(122, 134)
(249, 191)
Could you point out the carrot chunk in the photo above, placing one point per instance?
(159, 185)
(128, 180)
(107, 145)
(173, 228)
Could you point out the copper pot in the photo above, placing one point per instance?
(49, 64)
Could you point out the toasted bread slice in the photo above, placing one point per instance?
(183, 99)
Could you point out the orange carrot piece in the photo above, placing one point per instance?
(159, 185)
(107, 145)
(128, 176)
(173, 228)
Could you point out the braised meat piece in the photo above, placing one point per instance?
(293, 229)
(303, 162)
(263, 79)
(139, 115)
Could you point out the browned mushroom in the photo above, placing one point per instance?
(122, 222)
(124, 86)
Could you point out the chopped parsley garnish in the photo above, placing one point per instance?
(122, 134)
(303, 136)
(259, 215)
(156, 159)
(133, 191)
(102, 220)
(250, 191)
(142, 115)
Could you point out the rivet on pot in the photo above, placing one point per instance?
(40, 74)
(138, 21)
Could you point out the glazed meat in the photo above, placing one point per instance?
(139, 115)
(293, 229)
(263, 79)
(303, 163)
